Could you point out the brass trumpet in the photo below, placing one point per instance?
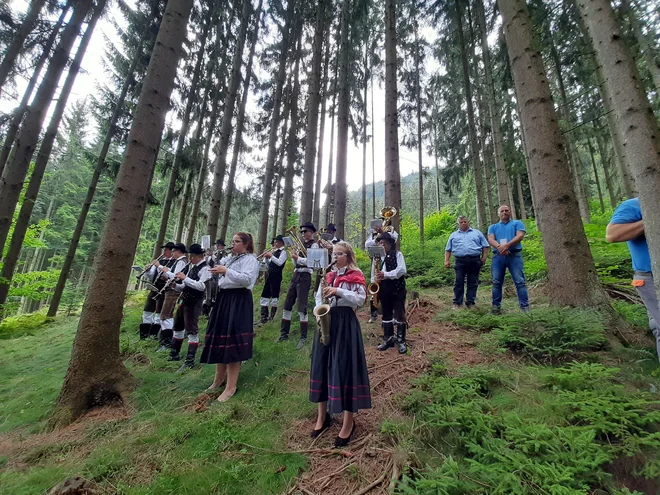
(271, 250)
(298, 243)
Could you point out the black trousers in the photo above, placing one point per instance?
(272, 286)
(393, 306)
(298, 289)
(466, 267)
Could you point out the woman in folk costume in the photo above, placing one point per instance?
(229, 334)
(338, 378)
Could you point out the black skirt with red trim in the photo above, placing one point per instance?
(339, 370)
(229, 334)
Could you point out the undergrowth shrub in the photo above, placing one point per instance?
(25, 324)
(546, 334)
(486, 451)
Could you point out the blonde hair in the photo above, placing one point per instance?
(351, 262)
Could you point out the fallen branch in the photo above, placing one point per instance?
(373, 485)
(386, 364)
(341, 470)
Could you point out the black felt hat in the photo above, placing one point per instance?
(308, 225)
(386, 236)
(220, 241)
(331, 227)
(278, 238)
(169, 245)
(196, 249)
(179, 246)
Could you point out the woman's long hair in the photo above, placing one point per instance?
(351, 263)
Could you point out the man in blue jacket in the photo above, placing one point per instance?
(505, 237)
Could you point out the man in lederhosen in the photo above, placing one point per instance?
(275, 261)
(373, 308)
(391, 277)
(171, 296)
(299, 288)
(151, 313)
(192, 286)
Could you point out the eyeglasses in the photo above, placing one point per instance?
(236, 242)
(304, 231)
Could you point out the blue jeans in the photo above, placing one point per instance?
(514, 263)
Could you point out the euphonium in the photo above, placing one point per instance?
(322, 312)
(386, 214)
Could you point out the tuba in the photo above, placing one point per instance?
(322, 312)
(386, 214)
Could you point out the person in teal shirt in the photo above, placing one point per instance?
(506, 239)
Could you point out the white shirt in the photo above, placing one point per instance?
(278, 261)
(241, 274)
(178, 266)
(204, 275)
(372, 242)
(349, 295)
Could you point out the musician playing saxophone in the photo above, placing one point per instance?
(338, 379)
(299, 288)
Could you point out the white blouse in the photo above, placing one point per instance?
(351, 295)
(241, 274)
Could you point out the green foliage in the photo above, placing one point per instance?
(488, 450)
(439, 224)
(18, 326)
(634, 314)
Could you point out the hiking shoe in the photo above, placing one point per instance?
(495, 310)
(456, 306)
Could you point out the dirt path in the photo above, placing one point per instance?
(369, 464)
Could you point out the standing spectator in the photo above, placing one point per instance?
(505, 237)
(470, 250)
(627, 225)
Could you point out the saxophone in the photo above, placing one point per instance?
(374, 287)
(322, 312)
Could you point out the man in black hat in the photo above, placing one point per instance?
(391, 277)
(220, 250)
(191, 283)
(171, 295)
(151, 313)
(299, 288)
(373, 308)
(275, 261)
(331, 229)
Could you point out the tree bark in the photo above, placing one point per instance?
(496, 128)
(343, 102)
(646, 48)
(392, 172)
(521, 198)
(373, 153)
(183, 207)
(23, 220)
(292, 141)
(435, 156)
(472, 131)
(365, 116)
(13, 176)
(197, 140)
(220, 164)
(595, 169)
(329, 185)
(14, 48)
(313, 100)
(240, 122)
(571, 272)
(96, 375)
(178, 154)
(278, 192)
(316, 216)
(274, 127)
(607, 171)
(634, 118)
(418, 104)
(17, 117)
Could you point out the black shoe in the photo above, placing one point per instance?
(401, 337)
(403, 348)
(326, 424)
(284, 331)
(343, 442)
(387, 344)
(281, 338)
(155, 328)
(301, 343)
(165, 340)
(273, 312)
(190, 358)
(496, 310)
(145, 331)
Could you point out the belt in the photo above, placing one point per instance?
(469, 256)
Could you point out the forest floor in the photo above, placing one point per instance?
(168, 440)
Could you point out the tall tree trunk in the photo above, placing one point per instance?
(178, 154)
(521, 198)
(472, 130)
(278, 193)
(595, 169)
(281, 152)
(313, 100)
(365, 116)
(274, 127)
(14, 48)
(646, 47)
(607, 170)
(316, 216)
(435, 156)
(17, 117)
(14, 173)
(23, 220)
(197, 140)
(373, 152)
(96, 375)
(496, 128)
(392, 172)
(329, 185)
(343, 102)
(183, 208)
(418, 104)
(634, 118)
(574, 161)
(571, 271)
(292, 141)
(220, 164)
(240, 122)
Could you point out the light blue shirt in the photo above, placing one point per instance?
(468, 243)
(629, 212)
(504, 232)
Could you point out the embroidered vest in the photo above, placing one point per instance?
(392, 286)
(190, 296)
(274, 269)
